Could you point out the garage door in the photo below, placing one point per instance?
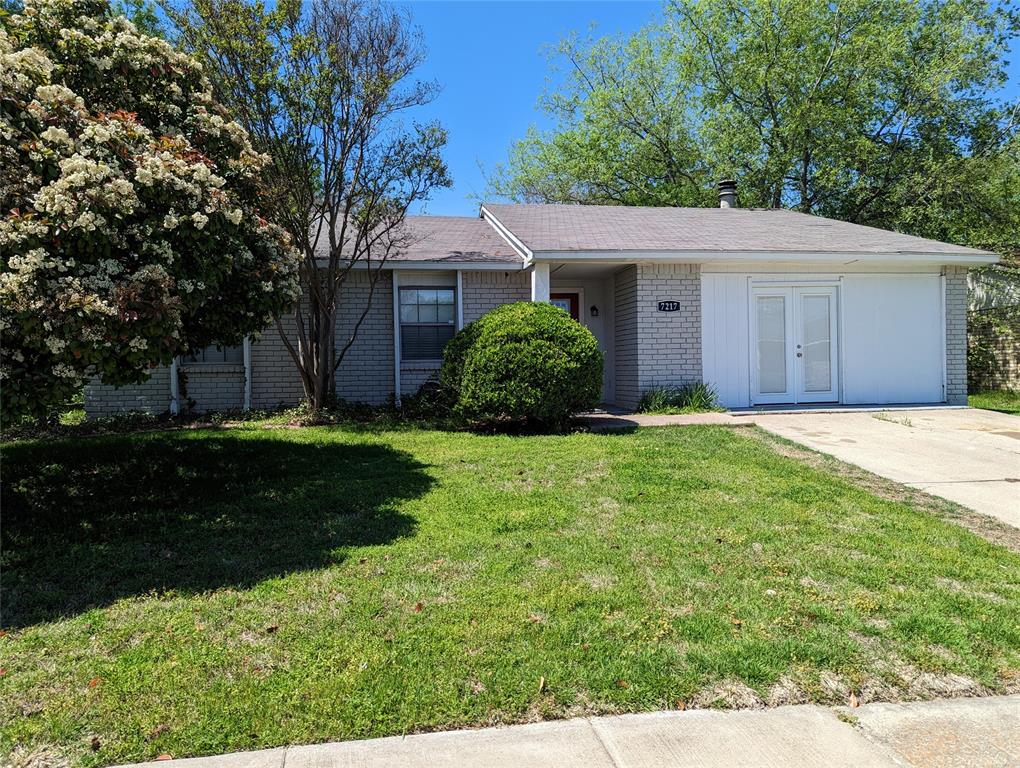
(893, 339)
(890, 335)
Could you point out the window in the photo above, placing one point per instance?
(215, 354)
(427, 322)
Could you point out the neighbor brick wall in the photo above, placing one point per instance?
(998, 354)
(484, 291)
(956, 335)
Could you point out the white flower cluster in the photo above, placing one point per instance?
(117, 222)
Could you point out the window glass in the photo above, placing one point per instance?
(215, 354)
(427, 322)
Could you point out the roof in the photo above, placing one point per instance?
(581, 228)
(454, 239)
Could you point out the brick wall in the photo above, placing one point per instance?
(213, 387)
(484, 291)
(366, 373)
(274, 378)
(412, 376)
(670, 342)
(656, 348)
(625, 294)
(151, 396)
(956, 335)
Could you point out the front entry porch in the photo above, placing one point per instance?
(586, 293)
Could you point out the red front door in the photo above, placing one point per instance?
(568, 302)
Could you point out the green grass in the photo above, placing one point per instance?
(203, 591)
(1000, 400)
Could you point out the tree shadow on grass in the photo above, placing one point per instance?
(88, 522)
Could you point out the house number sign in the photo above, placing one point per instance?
(669, 306)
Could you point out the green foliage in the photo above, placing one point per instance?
(687, 398)
(1004, 400)
(455, 354)
(131, 220)
(872, 111)
(524, 362)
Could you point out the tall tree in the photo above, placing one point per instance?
(130, 221)
(866, 110)
(322, 87)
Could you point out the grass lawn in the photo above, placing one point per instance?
(203, 591)
(1000, 400)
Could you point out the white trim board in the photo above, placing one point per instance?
(756, 258)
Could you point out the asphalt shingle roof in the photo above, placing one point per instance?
(455, 239)
(618, 228)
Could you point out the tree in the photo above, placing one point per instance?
(867, 110)
(131, 229)
(322, 87)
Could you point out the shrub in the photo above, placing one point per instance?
(688, 398)
(523, 362)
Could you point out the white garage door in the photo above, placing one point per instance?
(893, 339)
(890, 336)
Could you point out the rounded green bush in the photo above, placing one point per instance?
(523, 362)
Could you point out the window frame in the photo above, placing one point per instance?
(404, 359)
(190, 360)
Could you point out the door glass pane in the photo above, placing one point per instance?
(817, 343)
(563, 304)
(771, 344)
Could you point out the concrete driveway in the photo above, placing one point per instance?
(969, 456)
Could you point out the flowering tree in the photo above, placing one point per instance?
(129, 223)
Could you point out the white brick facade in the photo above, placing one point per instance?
(151, 396)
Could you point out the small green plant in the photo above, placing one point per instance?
(695, 397)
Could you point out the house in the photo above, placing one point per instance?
(768, 306)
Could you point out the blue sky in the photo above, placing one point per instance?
(487, 56)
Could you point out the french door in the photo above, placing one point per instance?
(794, 345)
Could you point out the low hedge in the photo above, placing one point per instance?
(525, 362)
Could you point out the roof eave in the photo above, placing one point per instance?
(828, 257)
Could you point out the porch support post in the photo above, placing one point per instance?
(540, 281)
(175, 394)
(396, 337)
(247, 372)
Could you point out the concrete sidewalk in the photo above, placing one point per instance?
(980, 733)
